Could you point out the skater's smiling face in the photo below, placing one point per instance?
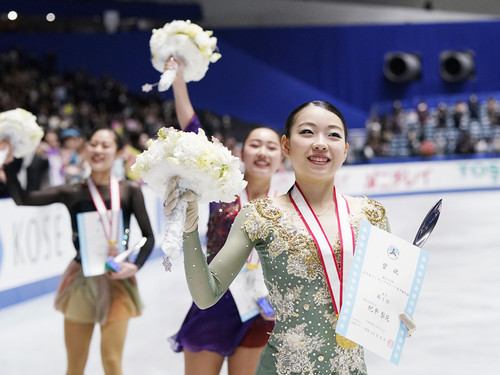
(102, 150)
(315, 141)
(261, 153)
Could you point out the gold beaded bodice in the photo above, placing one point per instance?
(303, 341)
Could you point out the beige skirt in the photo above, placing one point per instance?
(96, 299)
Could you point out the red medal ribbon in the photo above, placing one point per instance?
(336, 278)
(110, 219)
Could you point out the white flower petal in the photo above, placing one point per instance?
(20, 127)
(187, 41)
(209, 169)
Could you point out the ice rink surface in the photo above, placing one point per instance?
(457, 316)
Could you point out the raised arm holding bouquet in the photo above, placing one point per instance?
(232, 330)
(5, 152)
(19, 134)
(187, 41)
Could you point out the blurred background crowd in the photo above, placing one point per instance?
(466, 127)
(70, 104)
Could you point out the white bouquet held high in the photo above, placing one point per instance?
(19, 127)
(189, 42)
(204, 167)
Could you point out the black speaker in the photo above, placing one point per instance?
(457, 66)
(402, 66)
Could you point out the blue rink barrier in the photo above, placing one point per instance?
(22, 293)
(38, 288)
(36, 246)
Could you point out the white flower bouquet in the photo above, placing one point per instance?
(19, 127)
(205, 167)
(187, 41)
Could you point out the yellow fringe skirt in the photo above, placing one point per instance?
(96, 299)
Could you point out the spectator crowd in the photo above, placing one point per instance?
(464, 127)
(69, 104)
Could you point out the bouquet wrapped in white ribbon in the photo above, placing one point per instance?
(19, 127)
(189, 42)
(205, 167)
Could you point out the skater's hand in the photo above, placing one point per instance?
(126, 271)
(409, 323)
(171, 198)
(6, 145)
(271, 318)
(175, 62)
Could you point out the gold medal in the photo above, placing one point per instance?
(344, 342)
(252, 266)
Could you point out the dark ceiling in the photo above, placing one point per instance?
(124, 15)
(92, 15)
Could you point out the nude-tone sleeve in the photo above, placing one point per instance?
(207, 283)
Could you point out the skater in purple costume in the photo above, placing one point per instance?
(208, 336)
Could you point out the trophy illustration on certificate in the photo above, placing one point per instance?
(385, 280)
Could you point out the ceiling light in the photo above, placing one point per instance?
(12, 15)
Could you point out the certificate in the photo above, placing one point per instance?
(93, 243)
(385, 280)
